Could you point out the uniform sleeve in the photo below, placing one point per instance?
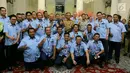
(87, 46)
(5, 28)
(60, 44)
(123, 28)
(54, 41)
(101, 46)
(40, 39)
(22, 43)
(72, 48)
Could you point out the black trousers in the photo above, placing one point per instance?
(105, 45)
(11, 55)
(59, 62)
(117, 47)
(32, 65)
(129, 45)
(80, 60)
(2, 57)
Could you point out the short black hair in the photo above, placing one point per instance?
(38, 13)
(46, 28)
(30, 29)
(76, 25)
(18, 14)
(78, 36)
(2, 8)
(109, 16)
(57, 14)
(83, 14)
(28, 12)
(68, 13)
(59, 27)
(99, 12)
(12, 16)
(44, 12)
(104, 14)
(33, 11)
(96, 34)
(89, 25)
(119, 17)
(66, 33)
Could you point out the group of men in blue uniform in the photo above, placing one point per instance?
(45, 41)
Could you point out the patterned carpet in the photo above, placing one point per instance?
(78, 69)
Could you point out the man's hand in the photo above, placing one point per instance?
(88, 62)
(44, 40)
(74, 62)
(53, 57)
(64, 60)
(12, 38)
(107, 37)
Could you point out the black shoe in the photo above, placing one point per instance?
(100, 65)
(117, 61)
(125, 54)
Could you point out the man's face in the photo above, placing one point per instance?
(29, 16)
(99, 16)
(46, 15)
(115, 18)
(34, 15)
(75, 28)
(83, 16)
(59, 30)
(74, 15)
(51, 17)
(104, 16)
(68, 16)
(13, 20)
(3, 12)
(96, 37)
(123, 21)
(23, 17)
(89, 28)
(31, 33)
(109, 19)
(19, 18)
(78, 40)
(57, 16)
(39, 16)
(48, 31)
(66, 36)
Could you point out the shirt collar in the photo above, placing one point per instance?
(31, 38)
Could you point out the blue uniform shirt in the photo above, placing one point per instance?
(47, 47)
(116, 30)
(75, 34)
(26, 24)
(41, 31)
(78, 50)
(66, 51)
(32, 53)
(102, 28)
(54, 27)
(76, 21)
(90, 34)
(12, 30)
(94, 47)
(46, 22)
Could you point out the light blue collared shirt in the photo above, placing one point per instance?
(76, 21)
(75, 34)
(90, 35)
(20, 24)
(116, 29)
(46, 22)
(12, 30)
(78, 50)
(48, 45)
(54, 28)
(26, 24)
(32, 53)
(102, 29)
(41, 31)
(94, 47)
(66, 51)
